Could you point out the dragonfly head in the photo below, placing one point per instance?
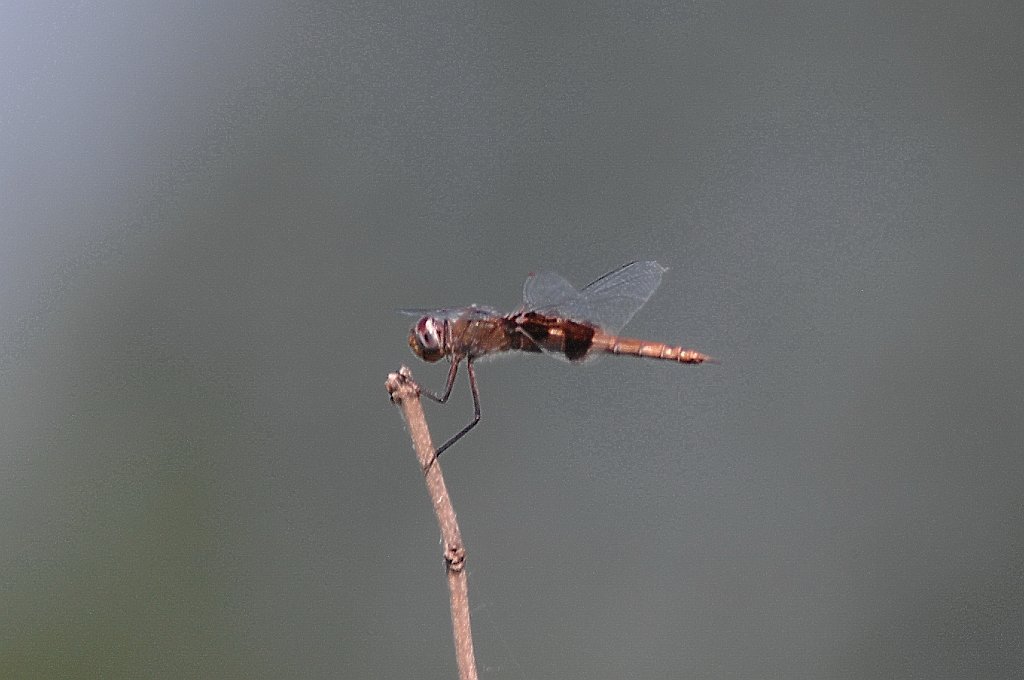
(426, 339)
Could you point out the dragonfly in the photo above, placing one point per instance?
(555, 319)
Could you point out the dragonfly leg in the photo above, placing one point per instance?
(476, 405)
(443, 398)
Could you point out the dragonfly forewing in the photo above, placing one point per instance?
(609, 302)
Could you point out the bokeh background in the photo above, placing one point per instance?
(211, 211)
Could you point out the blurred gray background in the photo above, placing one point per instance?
(211, 211)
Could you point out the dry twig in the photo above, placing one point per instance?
(406, 394)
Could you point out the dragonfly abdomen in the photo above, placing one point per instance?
(551, 334)
(647, 349)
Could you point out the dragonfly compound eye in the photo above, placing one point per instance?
(425, 339)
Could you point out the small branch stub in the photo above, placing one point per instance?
(400, 385)
(405, 393)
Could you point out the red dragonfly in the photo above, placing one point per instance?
(555, 319)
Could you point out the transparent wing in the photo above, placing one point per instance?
(453, 313)
(610, 302)
(547, 291)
